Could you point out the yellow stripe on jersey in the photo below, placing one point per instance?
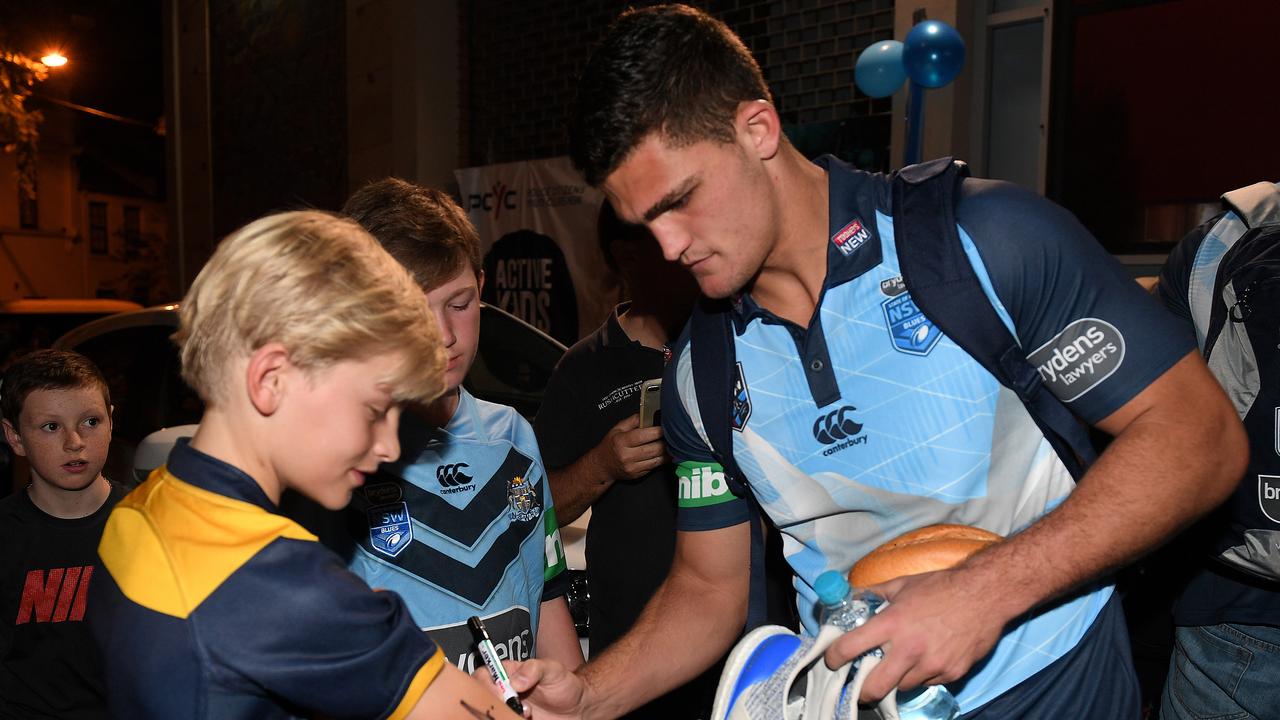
(169, 544)
(421, 681)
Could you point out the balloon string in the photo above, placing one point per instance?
(915, 122)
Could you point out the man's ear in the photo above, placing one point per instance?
(14, 439)
(265, 376)
(758, 123)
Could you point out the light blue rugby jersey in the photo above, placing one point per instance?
(479, 536)
(871, 423)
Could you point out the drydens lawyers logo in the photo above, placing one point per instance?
(701, 484)
(1079, 358)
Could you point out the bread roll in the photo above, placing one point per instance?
(935, 547)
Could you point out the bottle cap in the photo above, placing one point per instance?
(831, 587)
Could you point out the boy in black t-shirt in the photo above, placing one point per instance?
(57, 414)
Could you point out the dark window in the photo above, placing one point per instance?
(98, 243)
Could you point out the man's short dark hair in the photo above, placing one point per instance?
(671, 69)
(422, 228)
(47, 370)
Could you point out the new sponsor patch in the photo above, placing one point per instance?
(522, 500)
(701, 484)
(850, 237)
(1269, 496)
(1079, 358)
(909, 330)
(390, 531)
(741, 411)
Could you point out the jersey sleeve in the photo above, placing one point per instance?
(555, 581)
(704, 498)
(1174, 289)
(1096, 337)
(300, 625)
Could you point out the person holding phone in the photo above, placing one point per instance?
(602, 451)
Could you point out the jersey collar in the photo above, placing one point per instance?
(853, 246)
(209, 473)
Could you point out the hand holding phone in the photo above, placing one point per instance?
(650, 402)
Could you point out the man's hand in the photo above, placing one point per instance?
(937, 625)
(629, 452)
(548, 689)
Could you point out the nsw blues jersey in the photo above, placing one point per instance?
(463, 524)
(870, 422)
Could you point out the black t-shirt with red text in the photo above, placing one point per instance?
(49, 665)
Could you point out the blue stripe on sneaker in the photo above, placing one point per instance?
(771, 654)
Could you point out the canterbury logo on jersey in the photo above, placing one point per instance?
(452, 479)
(838, 430)
(836, 425)
(57, 597)
(475, 580)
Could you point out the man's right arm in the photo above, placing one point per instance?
(626, 452)
(691, 621)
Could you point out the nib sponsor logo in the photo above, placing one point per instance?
(1079, 358)
(701, 484)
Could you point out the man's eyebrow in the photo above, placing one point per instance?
(669, 199)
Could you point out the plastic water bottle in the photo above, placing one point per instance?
(847, 609)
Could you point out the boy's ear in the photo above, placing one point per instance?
(480, 282)
(264, 377)
(758, 122)
(14, 439)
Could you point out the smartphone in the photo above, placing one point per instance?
(650, 402)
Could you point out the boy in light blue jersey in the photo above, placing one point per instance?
(463, 523)
(855, 419)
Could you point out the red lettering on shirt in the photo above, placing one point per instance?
(57, 597)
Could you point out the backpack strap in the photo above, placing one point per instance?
(714, 359)
(1257, 204)
(946, 289)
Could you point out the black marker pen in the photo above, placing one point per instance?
(491, 661)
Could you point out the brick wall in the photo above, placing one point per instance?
(520, 59)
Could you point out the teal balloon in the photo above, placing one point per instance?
(933, 54)
(879, 71)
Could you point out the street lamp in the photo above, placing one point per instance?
(54, 59)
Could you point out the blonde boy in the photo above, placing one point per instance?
(303, 338)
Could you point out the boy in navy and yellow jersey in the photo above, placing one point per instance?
(463, 524)
(57, 415)
(303, 338)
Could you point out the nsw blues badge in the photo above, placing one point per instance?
(741, 410)
(909, 330)
(390, 531)
(522, 500)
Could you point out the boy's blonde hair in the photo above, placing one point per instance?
(319, 285)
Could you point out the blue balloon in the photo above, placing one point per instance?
(934, 54)
(879, 71)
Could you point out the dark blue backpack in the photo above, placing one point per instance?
(1242, 348)
(937, 273)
